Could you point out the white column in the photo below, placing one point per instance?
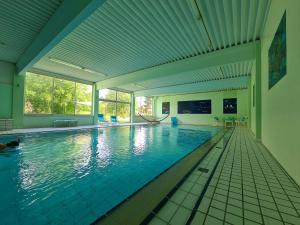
(132, 108)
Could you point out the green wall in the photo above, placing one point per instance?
(6, 89)
(281, 104)
(217, 106)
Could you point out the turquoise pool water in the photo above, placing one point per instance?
(75, 177)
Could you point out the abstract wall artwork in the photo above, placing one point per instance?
(230, 106)
(277, 54)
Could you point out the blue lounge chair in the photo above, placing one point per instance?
(101, 118)
(174, 121)
(114, 119)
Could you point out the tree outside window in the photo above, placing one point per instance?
(49, 95)
(143, 105)
(114, 103)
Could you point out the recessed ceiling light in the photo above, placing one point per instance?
(74, 66)
(140, 86)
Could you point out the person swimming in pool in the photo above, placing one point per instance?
(11, 144)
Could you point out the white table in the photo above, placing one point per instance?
(228, 123)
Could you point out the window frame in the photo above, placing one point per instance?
(52, 97)
(76, 100)
(152, 105)
(116, 102)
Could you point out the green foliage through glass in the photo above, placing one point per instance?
(114, 103)
(38, 94)
(143, 105)
(48, 95)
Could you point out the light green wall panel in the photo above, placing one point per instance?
(217, 106)
(280, 105)
(252, 105)
(257, 90)
(6, 89)
(5, 101)
(6, 72)
(47, 121)
(18, 100)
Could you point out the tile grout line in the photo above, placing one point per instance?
(249, 159)
(189, 221)
(242, 180)
(229, 185)
(282, 187)
(177, 187)
(259, 164)
(269, 154)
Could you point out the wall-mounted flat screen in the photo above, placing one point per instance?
(165, 108)
(194, 107)
(230, 106)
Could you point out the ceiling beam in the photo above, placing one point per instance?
(207, 86)
(217, 58)
(66, 18)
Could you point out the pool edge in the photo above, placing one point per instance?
(135, 209)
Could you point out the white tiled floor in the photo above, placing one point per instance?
(248, 187)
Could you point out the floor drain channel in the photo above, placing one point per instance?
(204, 170)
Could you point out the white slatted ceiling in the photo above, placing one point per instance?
(233, 22)
(216, 85)
(129, 35)
(240, 69)
(20, 22)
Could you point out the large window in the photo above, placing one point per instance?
(48, 95)
(84, 95)
(63, 97)
(114, 103)
(143, 105)
(38, 94)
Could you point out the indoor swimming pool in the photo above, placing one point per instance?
(75, 177)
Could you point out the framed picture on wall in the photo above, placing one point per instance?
(277, 54)
(230, 106)
(165, 109)
(194, 107)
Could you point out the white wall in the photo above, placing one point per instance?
(281, 104)
(217, 106)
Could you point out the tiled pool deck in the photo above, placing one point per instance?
(248, 187)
